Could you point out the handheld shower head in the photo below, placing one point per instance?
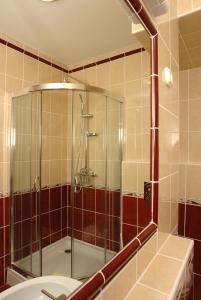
(82, 104)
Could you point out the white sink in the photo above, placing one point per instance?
(31, 289)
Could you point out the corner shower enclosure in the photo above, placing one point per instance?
(66, 141)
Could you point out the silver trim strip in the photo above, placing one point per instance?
(66, 86)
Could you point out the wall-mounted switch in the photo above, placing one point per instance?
(147, 191)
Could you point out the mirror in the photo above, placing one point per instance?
(80, 154)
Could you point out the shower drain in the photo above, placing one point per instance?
(67, 251)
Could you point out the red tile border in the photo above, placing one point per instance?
(89, 66)
(120, 260)
(155, 102)
(147, 233)
(155, 203)
(155, 173)
(134, 4)
(144, 17)
(3, 42)
(106, 60)
(103, 61)
(10, 45)
(90, 289)
(36, 57)
(101, 279)
(154, 63)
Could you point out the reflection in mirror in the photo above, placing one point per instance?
(81, 169)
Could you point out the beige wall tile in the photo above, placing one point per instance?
(194, 115)
(182, 180)
(13, 84)
(122, 283)
(174, 218)
(57, 75)
(103, 75)
(30, 69)
(164, 217)
(2, 59)
(117, 71)
(133, 93)
(14, 65)
(174, 30)
(144, 292)
(44, 73)
(133, 68)
(195, 147)
(176, 247)
(162, 273)
(45, 176)
(184, 147)
(196, 3)
(164, 190)
(143, 173)
(194, 83)
(129, 177)
(2, 87)
(193, 188)
(183, 85)
(184, 115)
(185, 6)
(145, 254)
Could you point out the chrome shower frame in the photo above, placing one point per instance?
(69, 86)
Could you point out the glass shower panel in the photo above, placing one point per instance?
(114, 161)
(25, 181)
(55, 182)
(88, 183)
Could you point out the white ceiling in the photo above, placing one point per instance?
(68, 30)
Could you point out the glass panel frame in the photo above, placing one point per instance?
(24, 218)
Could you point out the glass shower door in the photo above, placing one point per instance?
(25, 182)
(88, 194)
(114, 136)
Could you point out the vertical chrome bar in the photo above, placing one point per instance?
(72, 185)
(39, 193)
(86, 163)
(12, 171)
(106, 177)
(30, 177)
(121, 159)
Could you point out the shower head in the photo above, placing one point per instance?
(82, 103)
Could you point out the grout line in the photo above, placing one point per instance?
(138, 240)
(156, 290)
(169, 111)
(102, 276)
(154, 75)
(171, 257)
